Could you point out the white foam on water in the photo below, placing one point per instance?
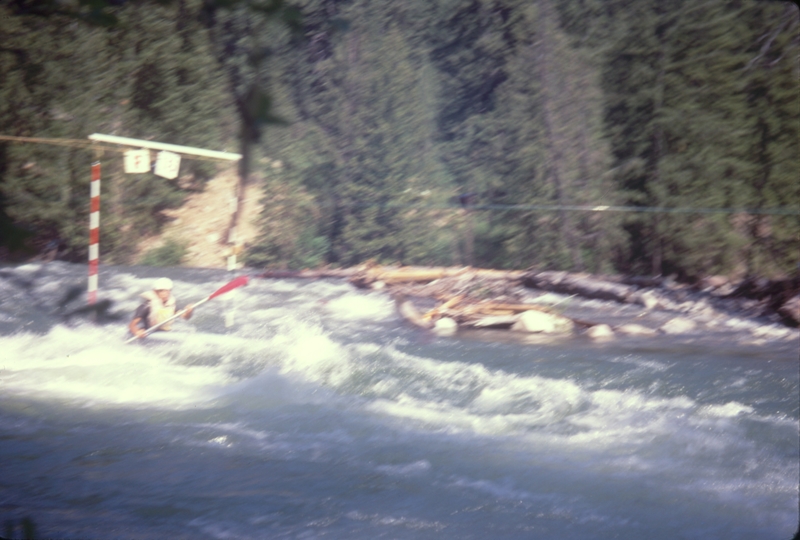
(307, 351)
(534, 411)
(416, 468)
(91, 367)
(30, 268)
(361, 307)
(728, 410)
(640, 362)
(267, 315)
(463, 396)
(281, 285)
(388, 520)
(238, 429)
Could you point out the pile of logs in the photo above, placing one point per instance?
(465, 297)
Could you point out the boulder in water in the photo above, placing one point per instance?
(678, 325)
(790, 310)
(600, 331)
(636, 330)
(445, 327)
(545, 323)
(649, 300)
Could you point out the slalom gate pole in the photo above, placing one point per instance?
(94, 232)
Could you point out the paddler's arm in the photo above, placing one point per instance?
(139, 316)
(135, 329)
(188, 311)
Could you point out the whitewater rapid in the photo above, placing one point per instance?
(293, 409)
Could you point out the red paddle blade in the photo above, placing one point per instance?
(238, 282)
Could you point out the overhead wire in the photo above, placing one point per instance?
(779, 211)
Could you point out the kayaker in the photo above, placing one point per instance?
(158, 306)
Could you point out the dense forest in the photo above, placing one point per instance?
(656, 137)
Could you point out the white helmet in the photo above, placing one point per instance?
(162, 284)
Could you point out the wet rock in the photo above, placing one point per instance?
(636, 330)
(725, 290)
(678, 325)
(445, 327)
(545, 323)
(99, 312)
(702, 310)
(649, 299)
(580, 284)
(713, 282)
(600, 331)
(790, 311)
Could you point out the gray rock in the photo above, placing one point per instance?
(635, 330)
(649, 300)
(445, 327)
(546, 323)
(678, 325)
(791, 309)
(600, 331)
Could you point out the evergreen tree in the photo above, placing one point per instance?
(361, 142)
(39, 183)
(138, 78)
(771, 88)
(538, 145)
(478, 117)
(469, 44)
(560, 159)
(678, 90)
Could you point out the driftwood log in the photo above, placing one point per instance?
(582, 285)
(371, 276)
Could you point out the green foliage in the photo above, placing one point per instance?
(697, 109)
(290, 236)
(384, 114)
(170, 254)
(362, 142)
(150, 76)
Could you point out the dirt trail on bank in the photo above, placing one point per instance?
(203, 220)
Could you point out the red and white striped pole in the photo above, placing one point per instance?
(94, 231)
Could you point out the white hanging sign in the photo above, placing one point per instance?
(168, 164)
(137, 161)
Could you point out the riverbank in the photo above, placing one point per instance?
(449, 300)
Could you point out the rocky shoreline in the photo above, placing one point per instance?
(447, 300)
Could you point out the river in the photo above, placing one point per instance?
(310, 409)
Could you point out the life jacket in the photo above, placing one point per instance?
(159, 311)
